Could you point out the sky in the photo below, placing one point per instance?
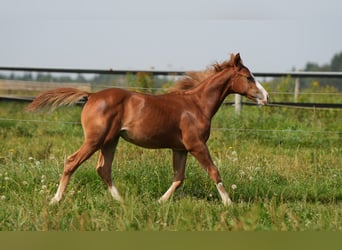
(270, 35)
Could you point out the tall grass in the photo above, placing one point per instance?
(282, 167)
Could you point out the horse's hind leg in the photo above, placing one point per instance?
(72, 163)
(104, 168)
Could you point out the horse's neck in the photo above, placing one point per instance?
(212, 93)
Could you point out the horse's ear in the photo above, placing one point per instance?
(237, 61)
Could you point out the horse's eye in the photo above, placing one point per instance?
(250, 78)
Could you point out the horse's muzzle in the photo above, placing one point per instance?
(262, 96)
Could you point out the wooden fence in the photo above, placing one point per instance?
(12, 86)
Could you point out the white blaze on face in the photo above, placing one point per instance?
(263, 93)
(262, 97)
(263, 100)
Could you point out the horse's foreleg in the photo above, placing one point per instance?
(104, 168)
(201, 153)
(72, 163)
(179, 160)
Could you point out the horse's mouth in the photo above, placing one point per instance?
(263, 101)
(259, 99)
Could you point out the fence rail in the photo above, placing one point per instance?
(161, 72)
(90, 71)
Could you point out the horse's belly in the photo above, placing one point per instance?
(152, 140)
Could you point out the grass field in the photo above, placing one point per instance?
(282, 168)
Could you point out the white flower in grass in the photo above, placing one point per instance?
(2, 197)
(72, 192)
(43, 190)
(234, 156)
(234, 187)
(42, 179)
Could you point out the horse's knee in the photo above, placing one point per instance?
(68, 171)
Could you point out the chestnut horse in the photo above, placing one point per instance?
(179, 120)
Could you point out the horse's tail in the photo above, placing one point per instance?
(52, 99)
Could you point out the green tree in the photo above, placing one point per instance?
(334, 65)
(336, 62)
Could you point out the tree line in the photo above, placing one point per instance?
(335, 65)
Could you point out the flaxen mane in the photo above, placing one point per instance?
(193, 78)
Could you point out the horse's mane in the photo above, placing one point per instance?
(194, 78)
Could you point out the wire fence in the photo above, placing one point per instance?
(322, 132)
(287, 104)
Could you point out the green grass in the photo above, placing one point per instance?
(286, 176)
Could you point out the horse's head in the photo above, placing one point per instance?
(245, 84)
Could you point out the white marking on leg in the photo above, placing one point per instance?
(225, 198)
(115, 193)
(170, 191)
(57, 196)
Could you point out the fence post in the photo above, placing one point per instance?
(296, 90)
(238, 104)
